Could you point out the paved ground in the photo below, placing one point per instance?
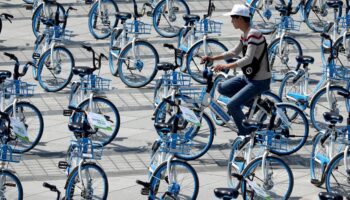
(126, 159)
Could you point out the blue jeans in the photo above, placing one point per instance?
(241, 91)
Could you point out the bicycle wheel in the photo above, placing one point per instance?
(104, 107)
(48, 13)
(279, 183)
(101, 23)
(282, 56)
(92, 183)
(55, 71)
(262, 15)
(342, 60)
(234, 166)
(290, 87)
(320, 154)
(33, 121)
(319, 104)
(159, 92)
(337, 177)
(167, 19)
(115, 46)
(200, 138)
(291, 129)
(138, 66)
(317, 14)
(11, 186)
(197, 51)
(180, 182)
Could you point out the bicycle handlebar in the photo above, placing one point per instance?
(8, 17)
(53, 188)
(16, 73)
(99, 59)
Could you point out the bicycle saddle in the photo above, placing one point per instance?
(165, 66)
(191, 18)
(123, 16)
(163, 127)
(227, 193)
(332, 117)
(329, 196)
(334, 3)
(4, 74)
(305, 59)
(283, 9)
(83, 71)
(252, 125)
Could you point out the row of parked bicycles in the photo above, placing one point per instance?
(186, 131)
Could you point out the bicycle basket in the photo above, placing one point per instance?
(279, 142)
(208, 26)
(138, 27)
(341, 73)
(19, 88)
(182, 147)
(176, 79)
(344, 22)
(195, 95)
(288, 23)
(95, 83)
(7, 154)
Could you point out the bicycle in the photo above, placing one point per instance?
(43, 9)
(283, 46)
(263, 168)
(85, 179)
(8, 17)
(294, 87)
(199, 134)
(86, 95)
(169, 178)
(313, 12)
(54, 68)
(135, 58)
(26, 114)
(166, 14)
(337, 174)
(203, 47)
(325, 145)
(11, 186)
(102, 17)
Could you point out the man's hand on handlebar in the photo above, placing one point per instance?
(220, 67)
(205, 59)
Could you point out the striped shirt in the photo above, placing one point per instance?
(255, 43)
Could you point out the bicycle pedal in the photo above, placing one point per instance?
(29, 7)
(145, 191)
(10, 184)
(63, 165)
(149, 13)
(315, 181)
(176, 9)
(67, 112)
(36, 55)
(237, 176)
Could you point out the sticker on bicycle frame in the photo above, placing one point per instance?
(190, 116)
(19, 129)
(258, 190)
(99, 121)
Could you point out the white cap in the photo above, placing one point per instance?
(239, 10)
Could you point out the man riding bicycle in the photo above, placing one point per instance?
(256, 71)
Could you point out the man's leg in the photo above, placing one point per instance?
(246, 94)
(231, 86)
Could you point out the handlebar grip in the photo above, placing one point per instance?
(10, 55)
(51, 187)
(170, 46)
(326, 36)
(88, 48)
(71, 8)
(103, 56)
